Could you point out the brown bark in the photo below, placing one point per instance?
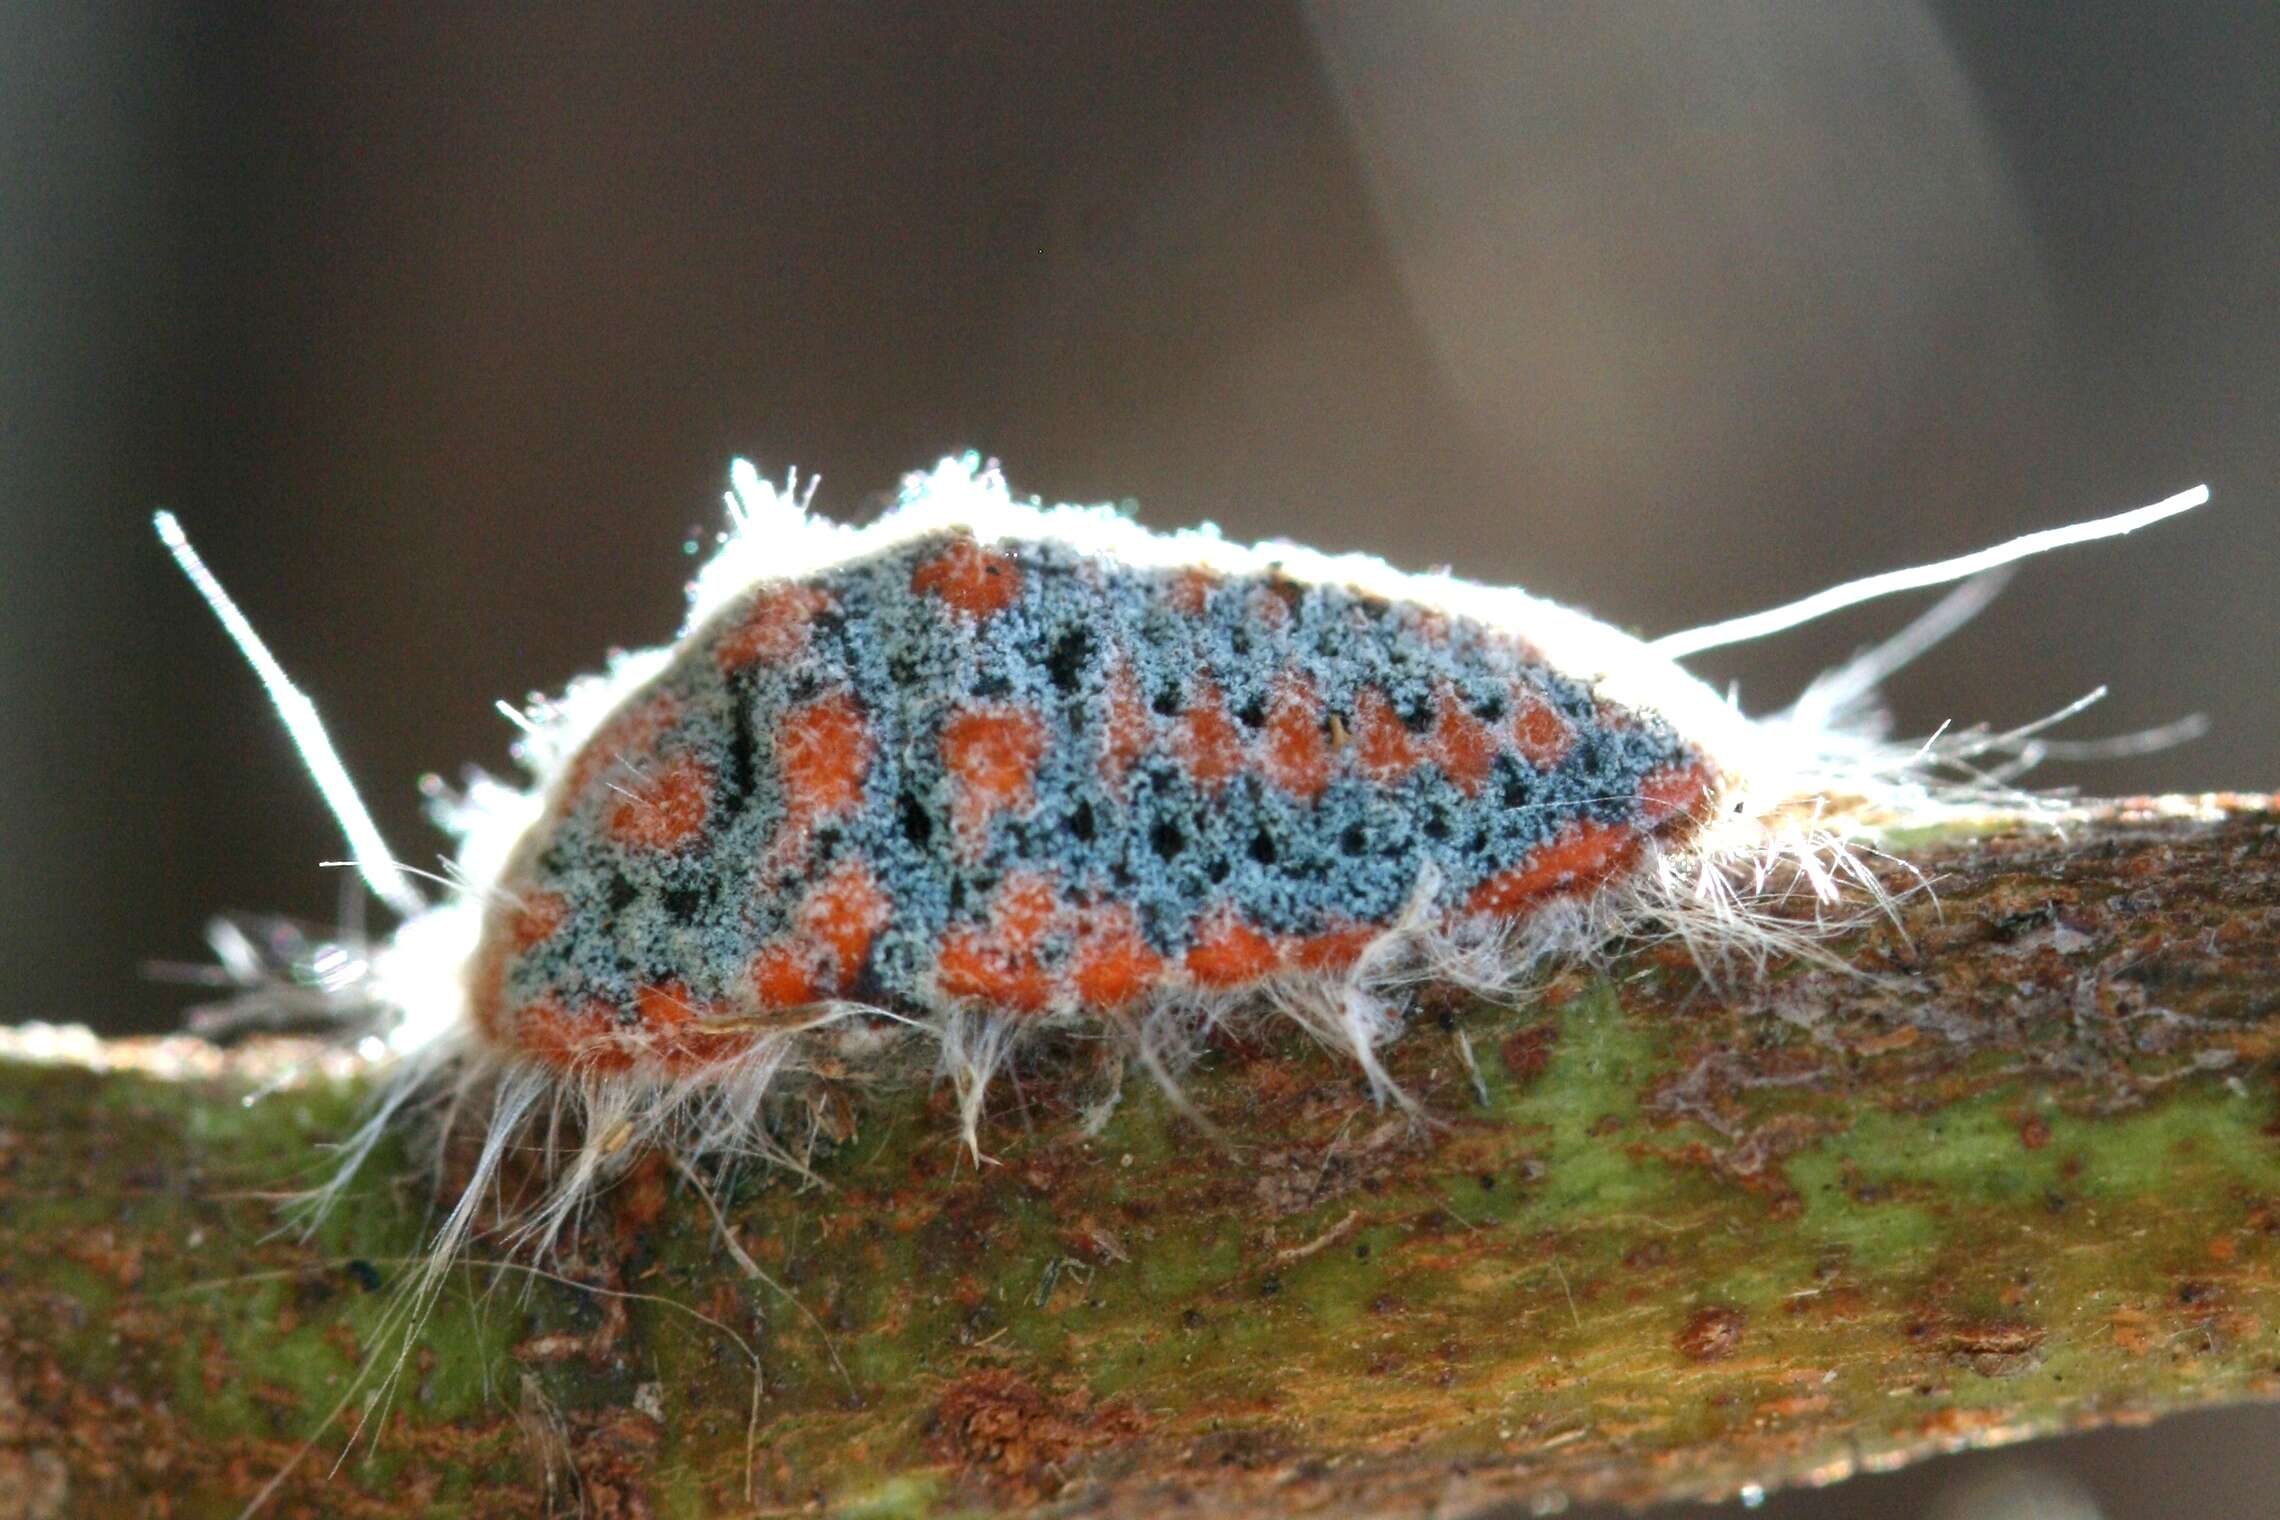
(1662, 1239)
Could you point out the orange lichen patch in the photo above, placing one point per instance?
(665, 810)
(629, 737)
(1209, 745)
(1189, 591)
(999, 964)
(783, 976)
(1332, 950)
(584, 1038)
(1541, 734)
(1293, 750)
(1228, 953)
(823, 752)
(774, 628)
(1676, 795)
(1384, 749)
(1463, 746)
(682, 1034)
(993, 752)
(1126, 729)
(1579, 856)
(1113, 964)
(845, 912)
(975, 580)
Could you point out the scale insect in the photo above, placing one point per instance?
(911, 794)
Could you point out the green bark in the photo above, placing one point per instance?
(1661, 1240)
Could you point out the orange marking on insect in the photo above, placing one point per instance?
(1113, 964)
(1228, 953)
(666, 810)
(1273, 599)
(845, 912)
(1126, 728)
(1581, 855)
(1675, 796)
(999, 963)
(680, 1033)
(585, 1038)
(1542, 736)
(975, 580)
(1333, 949)
(536, 916)
(774, 628)
(1463, 746)
(783, 976)
(1209, 744)
(1384, 749)
(1293, 751)
(624, 739)
(823, 751)
(1189, 591)
(993, 751)
(487, 987)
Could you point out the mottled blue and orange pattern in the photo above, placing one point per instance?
(1018, 778)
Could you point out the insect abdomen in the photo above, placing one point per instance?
(1016, 777)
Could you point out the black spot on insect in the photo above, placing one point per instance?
(1491, 707)
(623, 894)
(1083, 827)
(1167, 702)
(1354, 840)
(1415, 712)
(740, 766)
(1071, 652)
(683, 904)
(1516, 791)
(992, 684)
(1166, 839)
(1218, 870)
(1253, 712)
(1263, 849)
(1436, 824)
(917, 823)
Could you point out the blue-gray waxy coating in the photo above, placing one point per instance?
(1349, 743)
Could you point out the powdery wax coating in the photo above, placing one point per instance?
(1027, 779)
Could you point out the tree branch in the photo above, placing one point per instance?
(1659, 1241)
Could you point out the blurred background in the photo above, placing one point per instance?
(438, 325)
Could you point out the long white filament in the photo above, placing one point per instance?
(374, 862)
(1757, 625)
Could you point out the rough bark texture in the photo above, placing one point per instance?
(1660, 1240)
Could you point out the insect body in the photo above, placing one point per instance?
(1020, 778)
